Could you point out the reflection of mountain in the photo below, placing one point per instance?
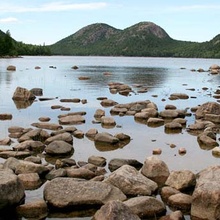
(149, 77)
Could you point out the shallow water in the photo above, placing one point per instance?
(162, 77)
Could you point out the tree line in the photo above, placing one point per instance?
(10, 47)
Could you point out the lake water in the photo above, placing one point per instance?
(162, 77)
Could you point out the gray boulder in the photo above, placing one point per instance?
(11, 189)
(115, 210)
(206, 196)
(131, 182)
(64, 192)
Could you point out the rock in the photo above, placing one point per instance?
(181, 180)
(180, 201)
(155, 122)
(175, 96)
(44, 119)
(206, 142)
(5, 116)
(118, 111)
(108, 121)
(207, 108)
(106, 138)
(37, 91)
(11, 68)
(91, 133)
(182, 151)
(115, 210)
(169, 113)
(99, 113)
(108, 103)
(146, 207)
(11, 190)
(97, 160)
(116, 163)
(72, 120)
(33, 159)
(33, 210)
(16, 154)
(59, 147)
(131, 182)
(171, 107)
(78, 134)
(173, 126)
(5, 141)
(216, 151)
(30, 145)
(181, 121)
(64, 192)
(61, 172)
(84, 78)
(81, 173)
(213, 118)
(155, 169)
(214, 66)
(199, 125)
(29, 167)
(167, 191)
(49, 126)
(176, 215)
(22, 94)
(67, 137)
(206, 196)
(30, 181)
(74, 100)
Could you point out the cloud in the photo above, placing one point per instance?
(195, 8)
(8, 20)
(53, 7)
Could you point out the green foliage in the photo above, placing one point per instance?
(10, 47)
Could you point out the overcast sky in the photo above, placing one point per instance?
(48, 21)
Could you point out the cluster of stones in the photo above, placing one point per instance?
(128, 192)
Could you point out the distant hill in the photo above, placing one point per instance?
(142, 39)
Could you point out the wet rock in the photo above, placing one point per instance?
(17, 154)
(199, 125)
(216, 151)
(213, 118)
(33, 159)
(176, 215)
(11, 68)
(59, 147)
(146, 207)
(207, 108)
(116, 163)
(180, 201)
(74, 100)
(108, 103)
(207, 142)
(81, 173)
(12, 190)
(45, 125)
(78, 134)
(5, 141)
(91, 133)
(157, 151)
(155, 169)
(131, 182)
(22, 94)
(108, 121)
(84, 78)
(122, 137)
(155, 122)
(206, 196)
(182, 151)
(181, 121)
(64, 192)
(99, 113)
(44, 119)
(5, 116)
(181, 180)
(67, 137)
(37, 91)
(171, 107)
(61, 172)
(169, 113)
(33, 210)
(167, 191)
(97, 160)
(118, 111)
(115, 210)
(30, 145)
(106, 138)
(30, 181)
(173, 126)
(175, 96)
(72, 120)
(29, 167)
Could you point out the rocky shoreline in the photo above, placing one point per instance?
(126, 188)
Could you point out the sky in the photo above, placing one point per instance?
(48, 21)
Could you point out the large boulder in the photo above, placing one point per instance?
(11, 190)
(131, 182)
(206, 196)
(146, 206)
(155, 169)
(115, 210)
(207, 108)
(64, 192)
(23, 94)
